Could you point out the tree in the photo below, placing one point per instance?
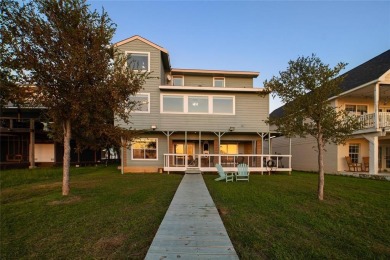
(305, 88)
(63, 49)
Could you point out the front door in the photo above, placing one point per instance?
(180, 154)
(384, 157)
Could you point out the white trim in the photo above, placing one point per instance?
(140, 139)
(142, 112)
(178, 76)
(215, 89)
(219, 78)
(139, 52)
(356, 104)
(185, 104)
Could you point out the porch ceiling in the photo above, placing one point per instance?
(368, 92)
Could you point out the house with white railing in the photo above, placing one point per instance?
(366, 94)
(195, 118)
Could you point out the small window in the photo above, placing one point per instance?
(173, 103)
(144, 149)
(142, 103)
(138, 61)
(219, 82)
(354, 152)
(223, 105)
(178, 81)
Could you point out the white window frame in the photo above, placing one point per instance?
(139, 52)
(138, 159)
(219, 78)
(210, 104)
(356, 105)
(177, 76)
(143, 112)
(358, 152)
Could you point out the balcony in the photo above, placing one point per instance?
(368, 120)
(206, 163)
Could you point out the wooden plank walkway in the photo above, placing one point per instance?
(192, 227)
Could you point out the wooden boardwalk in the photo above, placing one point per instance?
(192, 227)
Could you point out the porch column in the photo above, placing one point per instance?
(376, 106)
(374, 155)
(32, 144)
(219, 134)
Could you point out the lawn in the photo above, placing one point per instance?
(107, 215)
(279, 217)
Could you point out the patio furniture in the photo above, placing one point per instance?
(351, 165)
(366, 164)
(227, 176)
(242, 172)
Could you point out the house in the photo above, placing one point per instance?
(195, 117)
(366, 94)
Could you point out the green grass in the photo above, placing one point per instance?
(279, 217)
(107, 215)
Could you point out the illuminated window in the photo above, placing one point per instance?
(228, 149)
(144, 149)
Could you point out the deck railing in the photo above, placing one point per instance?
(206, 162)
(368, 120)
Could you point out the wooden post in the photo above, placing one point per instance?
(32, 144)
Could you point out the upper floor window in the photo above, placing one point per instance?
(197, 104)
(142, 104)
(178, 80)
(138, 60)
(356, 109)
(144, 149)
(219, 82)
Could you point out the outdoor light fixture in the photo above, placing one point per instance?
(231, 129)
(153, 127)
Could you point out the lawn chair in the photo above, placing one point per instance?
(227, 176)
(366, 164)
(351, 165)
(242, 172)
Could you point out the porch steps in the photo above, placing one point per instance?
(193, 171)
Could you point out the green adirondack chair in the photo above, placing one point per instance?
(242, 172)
(227, 176)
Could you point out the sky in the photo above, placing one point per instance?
(258, 35)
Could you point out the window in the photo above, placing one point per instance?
(144, 149)
(142, 104)
(228, 149)
(198, 104)
(223, 105)
(219, 82)
(356, 109)
(178, 81)
(138, 60)
(354, 152)
(173, 103)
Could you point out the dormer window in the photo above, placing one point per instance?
(138, 60)
(219, 82)
(178, 81)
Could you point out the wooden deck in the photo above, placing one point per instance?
(192, 227)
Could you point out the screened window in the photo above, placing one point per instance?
(219, 82)
(142, 103)
(223, 105)
(144, 149)
(173, 104)
(356, 109)
(198, 104)
(354, 152)
(138, 61)
(178, 81)
(229, 149)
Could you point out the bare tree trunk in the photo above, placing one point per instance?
(321, 175)
(66, 166)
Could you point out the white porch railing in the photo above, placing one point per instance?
(368, 120)
(206, 162)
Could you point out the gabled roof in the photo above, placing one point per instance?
(367, 72)
(164, 52)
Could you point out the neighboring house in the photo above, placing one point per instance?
(195, 117)
(366, 94)
(24, 141)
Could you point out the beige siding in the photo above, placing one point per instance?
(208, 81)
(387, 77)
(343, 150)
(239, 82)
